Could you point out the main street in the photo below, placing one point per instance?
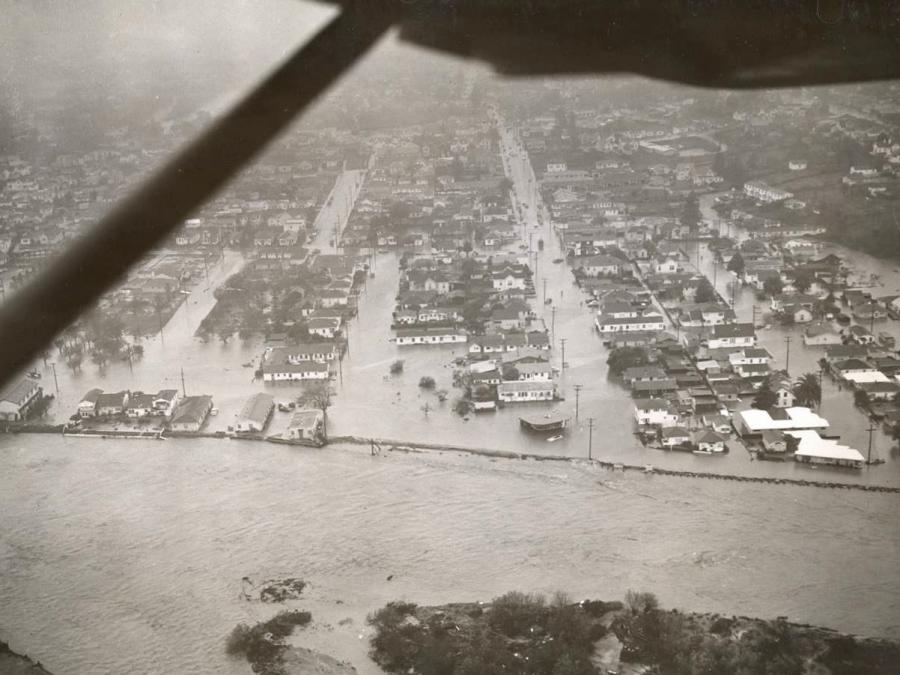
(333, 216)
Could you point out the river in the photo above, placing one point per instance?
(127, 556)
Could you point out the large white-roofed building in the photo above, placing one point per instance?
(754, 422)
(814, 449)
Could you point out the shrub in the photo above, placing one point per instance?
(515, 613)
(426, 382)
(462, 407)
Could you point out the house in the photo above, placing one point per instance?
(306, 424)
(838, 353)
(429, 336)
(540, 371)
(276, 368)
(643, 374)
(139, 404)
(860, 335)
(506, 318)
(721, 424)
(762, 192)
(599, 266)
(312, 351)
(655, 412)
(813, 449)
(674, 436)
(858, 371)
(750, 355)
(774, 441)
(820, 335)
(644, 322)
(255, 414)
(112, 404)
(87, 407)
(732, 335)
(781, 385)
(17, 398)
(880, 391)
(191, 413)
(325, 327)
(165, 401)
(710, 441)
(522, 392)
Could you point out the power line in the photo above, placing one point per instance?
(578, 388)
(787, 355)
(590, 437)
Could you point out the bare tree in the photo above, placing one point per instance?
(318, 395)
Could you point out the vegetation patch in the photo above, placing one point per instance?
(263, 645)
(281, 590)
(529, 634)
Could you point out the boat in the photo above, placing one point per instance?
(249, 364)
(548, 422)
(35, 375)
(553, 439)
(214, 412)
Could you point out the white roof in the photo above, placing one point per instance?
(813, 445)
(798, 418)
(867, 377)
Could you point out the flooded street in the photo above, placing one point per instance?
(127, 556)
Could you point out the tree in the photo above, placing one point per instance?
(622, 358)
(318, 395)
(773, 285)
(690, 214)
(808, 390)
(736, 264)
(426, 382)
(396, 367)
(705, 292)
(509, 372)
(861, 399)
(765, 398)
(802, 281)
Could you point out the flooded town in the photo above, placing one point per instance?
(451, 336)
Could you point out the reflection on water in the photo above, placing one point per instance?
(127, 556)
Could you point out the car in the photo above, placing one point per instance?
(556, 261)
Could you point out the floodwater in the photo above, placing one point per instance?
(369, 402)
(127, 556)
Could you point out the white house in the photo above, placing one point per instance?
(429, 336)
(764, 193)
(255, 414)
(646, 322)
(820, 335)
(325, 327)
(17, 397)
(729, 335)
(655, 412)
(710, 442)
(675, 436)
(281, 370)
(523, 392)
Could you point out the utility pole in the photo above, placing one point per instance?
(563, 362)
(755, 312)
(183, 390)
(590, 438)
(577, 388)
(55, 381)
(871, 430)
(545, 291)
(552, 321)
(787, 356)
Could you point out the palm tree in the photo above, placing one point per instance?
(808, 390)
